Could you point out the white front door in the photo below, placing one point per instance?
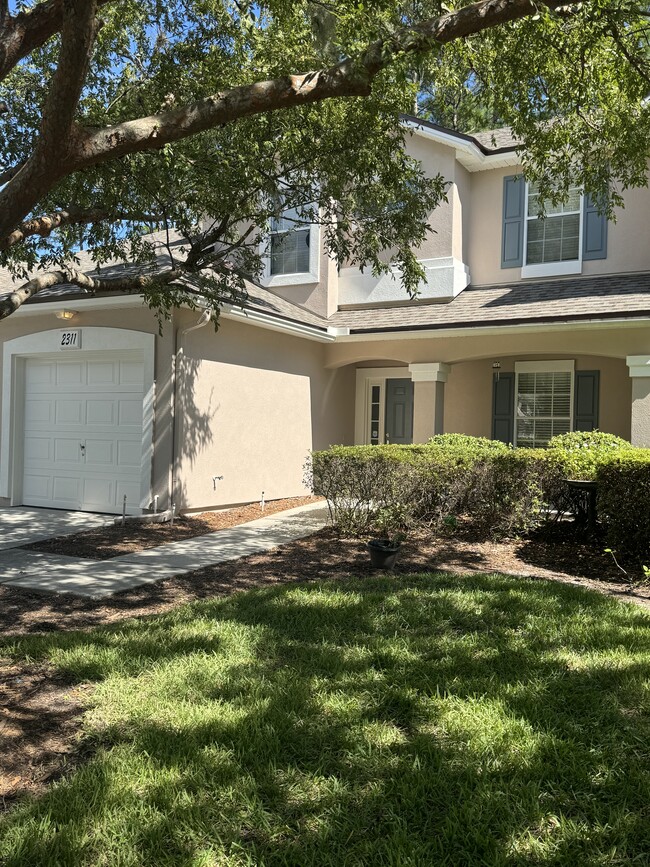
(83, 432)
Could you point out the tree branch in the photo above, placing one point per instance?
(78, 33)
(10, 303)
(22, 33)
(47, 223)
(352, 77)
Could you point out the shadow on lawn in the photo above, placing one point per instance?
(411, 721)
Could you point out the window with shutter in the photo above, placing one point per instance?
(544, 402)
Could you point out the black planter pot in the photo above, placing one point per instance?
(383, 553)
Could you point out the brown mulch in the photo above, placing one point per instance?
(104, 543)
(41, 710)
(40, 714)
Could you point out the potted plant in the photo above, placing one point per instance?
(391, 523)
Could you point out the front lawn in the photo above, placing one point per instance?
(416, 720)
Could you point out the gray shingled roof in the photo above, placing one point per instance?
(544, 301)
(495, 139)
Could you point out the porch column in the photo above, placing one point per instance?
(640, 372)
(428, 399)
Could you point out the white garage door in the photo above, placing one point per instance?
(83, 432)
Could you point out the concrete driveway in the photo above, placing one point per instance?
(22, 525)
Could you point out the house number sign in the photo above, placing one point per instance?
(70, 340)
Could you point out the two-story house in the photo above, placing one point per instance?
(524, 328)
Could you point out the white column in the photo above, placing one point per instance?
(640, 372)
(428, 398)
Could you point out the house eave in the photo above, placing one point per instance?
(536, 326)
(468, 152)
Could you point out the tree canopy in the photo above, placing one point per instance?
(204, 119)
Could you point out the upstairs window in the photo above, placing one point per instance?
(568, 234)
(291, 253)
(556, 237)
(290, 240)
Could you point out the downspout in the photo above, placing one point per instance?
(178, 351)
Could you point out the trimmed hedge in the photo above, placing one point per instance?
(624, 503)
(504, 491)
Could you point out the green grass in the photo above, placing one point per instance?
(427, 720)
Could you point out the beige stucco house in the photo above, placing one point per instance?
(524, 328)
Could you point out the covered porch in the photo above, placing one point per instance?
(518, 385)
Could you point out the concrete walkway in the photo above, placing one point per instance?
(20, 525)
(58, 574)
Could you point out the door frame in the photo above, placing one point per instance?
(366, 378)
(45, 345)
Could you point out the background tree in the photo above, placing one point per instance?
(205, 118)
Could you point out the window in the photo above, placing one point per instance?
(556, 238)
(543, 402)
(568, 235)
(552, 243)
(290, 237)
(292, 251)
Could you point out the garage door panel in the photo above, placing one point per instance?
(66, 489)
(38, 449)
(39, 374)
(38, 412)
(129, 454)
(37, 487)
(70, 373)
(94, 403)
(69, 412)
(101, 412)
(100, 453)
(67, 450)
(102, 373)
(131, 372)
(130, 413)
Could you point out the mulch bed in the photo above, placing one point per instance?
(41, 711)
(104, 543)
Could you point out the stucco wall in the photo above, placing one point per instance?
(253, 404)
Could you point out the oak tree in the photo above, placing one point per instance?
(202, 120)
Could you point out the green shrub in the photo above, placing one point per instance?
(624, 503)
(467, 443)
(432, 483)
(593, 439)
(502, 490)
(580, 453)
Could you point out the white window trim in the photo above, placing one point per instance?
(366, 378)
(567, 366)
(300, 278)
(552, 269)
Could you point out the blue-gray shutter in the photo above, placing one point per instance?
(585, 399)
(512, 237)
(594, 231)
(503, 407)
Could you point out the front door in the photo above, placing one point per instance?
(398, 426)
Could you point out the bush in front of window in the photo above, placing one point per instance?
(498, 490)
(579, 454)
